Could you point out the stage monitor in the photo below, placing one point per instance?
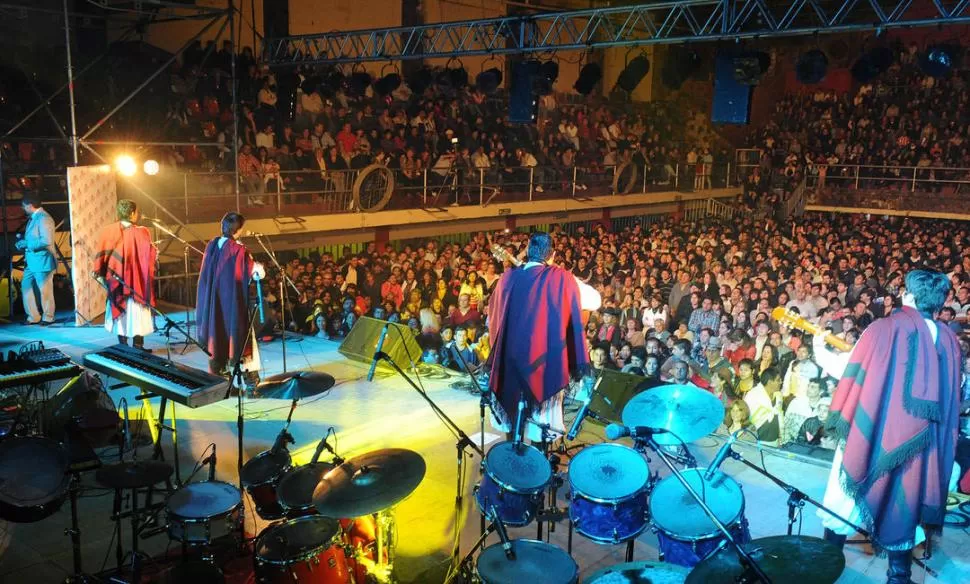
(361, 343)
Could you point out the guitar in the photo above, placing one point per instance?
(790, 319)
(501, 254)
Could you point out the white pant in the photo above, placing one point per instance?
(32, 283)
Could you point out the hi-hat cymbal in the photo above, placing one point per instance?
(686, 411)
(294, 385)
(134, 475)
(783, 558)
(369, 483)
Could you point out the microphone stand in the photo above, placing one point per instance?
(796, 498)
(463, 440)
(748, 564)
(283, 279)
(185, 270)
(483, 402)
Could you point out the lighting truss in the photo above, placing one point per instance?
(642, 24)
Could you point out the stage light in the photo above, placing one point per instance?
(126, 165)
(150, 167)
(872, 64)
(750, 67)
(589, 76)
(488, 80)
(546, 77)
(387, 84)
(679, 65)
(812, 67)
(938, 60)
(633, 73)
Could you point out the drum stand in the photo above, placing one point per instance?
(78, 577)
(483, 403)
(752, 571)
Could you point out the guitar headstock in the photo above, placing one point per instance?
(501, 254)
(793, 320)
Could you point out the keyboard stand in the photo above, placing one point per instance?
(156, 425)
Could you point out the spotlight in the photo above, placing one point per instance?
(750, 66)
(420, 80)
(812, 67)
(633, 73)
(150, 167)
(359, 82)
(387, 84)
(546, 77)
(938, 60)
(589, 76)
(126, 165)
(488, 80)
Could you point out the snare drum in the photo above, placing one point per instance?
(686, 534)
(513, 482)
(295, 490)
(307, 550)
(260, 475)
(535, 562)
(608, 493)
(195, 511)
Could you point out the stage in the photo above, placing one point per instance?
(387, 413)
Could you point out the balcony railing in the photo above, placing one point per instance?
(909, 188)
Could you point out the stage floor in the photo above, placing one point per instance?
(384, 414)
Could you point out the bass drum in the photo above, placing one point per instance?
(34, 478)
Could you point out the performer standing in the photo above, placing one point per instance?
(125, 266)
(37, 244)
(538, 341)
(894, 416)
(222, 306)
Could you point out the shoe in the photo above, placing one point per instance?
(834, 538)
(900, 567)
(46, 322)
(539, 189)
(31, 322)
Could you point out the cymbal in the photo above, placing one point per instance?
(134, 475)
(640, 573)
(687, 411)
(369, 483)
(294, 385)
(784, 558)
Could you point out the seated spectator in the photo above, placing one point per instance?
(464, 313)
(799, 411)
(767, 406)
(737, 417)
(746, 380)
(462, 357)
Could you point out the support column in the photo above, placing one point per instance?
(510, 223)
(382, 235)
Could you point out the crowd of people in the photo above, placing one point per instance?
(905, 126)
(682, 302)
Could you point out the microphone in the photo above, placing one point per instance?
(617, 431)
(720, 456)
(377, 352)
(212, 463)
(324, 445)
(259, 296)
(583, 412)
(517, 437)
(502, 534)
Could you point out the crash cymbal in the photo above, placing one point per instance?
(133, 475)
(686, 411)
(369, 483)
(294, 385)
(783, 558)
(640, 573)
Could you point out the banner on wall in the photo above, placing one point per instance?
(92, 194)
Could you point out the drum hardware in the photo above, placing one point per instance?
(535, 561)
(514, 481)
(608, 493)
(196, 510)
(34, 478)
(462, 443)
(484, 402)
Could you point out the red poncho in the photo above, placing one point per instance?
(896, 408)
(536, 331)
(222, 305)
(127, 252)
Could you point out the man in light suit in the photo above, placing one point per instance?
(37, 244)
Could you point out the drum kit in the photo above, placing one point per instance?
(697, 514)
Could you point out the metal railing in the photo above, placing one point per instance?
(902, 188)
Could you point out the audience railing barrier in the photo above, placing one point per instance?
(906, 178)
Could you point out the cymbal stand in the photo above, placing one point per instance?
(284, 279)
(237, 377)
(484, 401)
(464, 568)
(185, 270)
(796, 498)
(463, 441)
(752, 571)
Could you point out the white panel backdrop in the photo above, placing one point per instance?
(93, 196)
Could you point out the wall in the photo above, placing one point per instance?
(170, 36)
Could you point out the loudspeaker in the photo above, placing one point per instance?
(361, 342)
(732, 99)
